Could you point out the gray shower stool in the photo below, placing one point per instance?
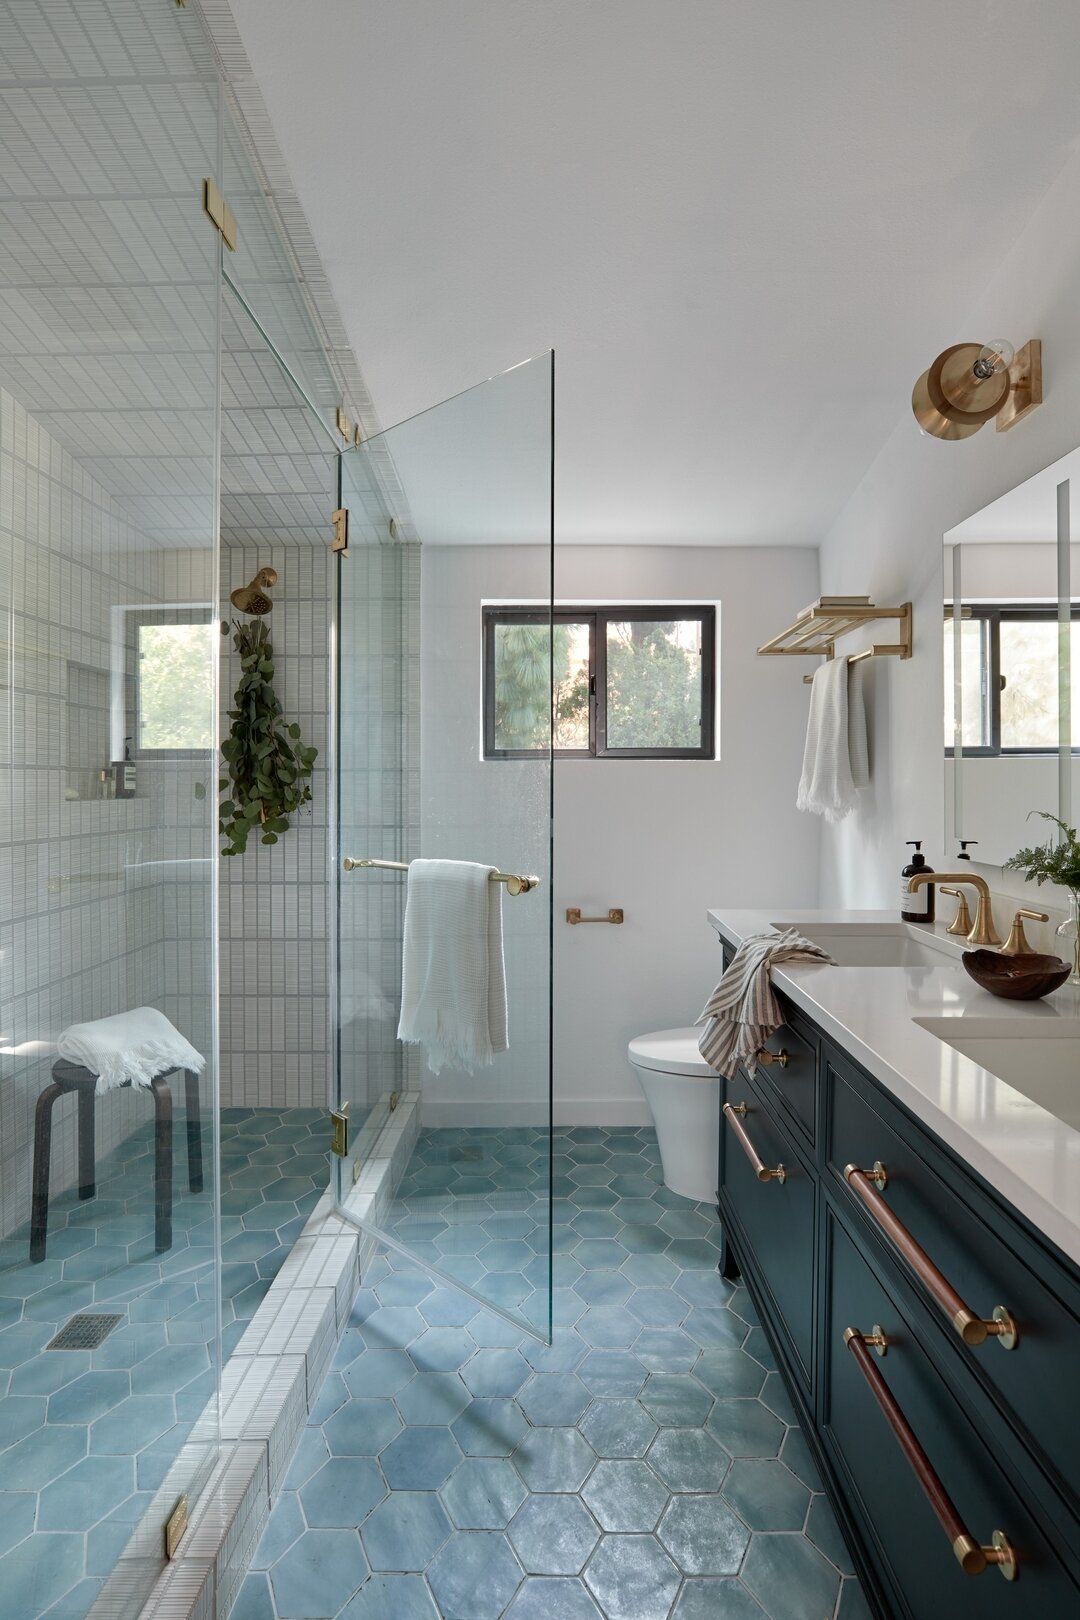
(73, 1077)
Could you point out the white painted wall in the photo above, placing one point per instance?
(888, 541)
(663, 839)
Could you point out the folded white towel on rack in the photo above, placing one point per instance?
(453, 981)
(133, 1047)
(835, 760)
(743, 1011)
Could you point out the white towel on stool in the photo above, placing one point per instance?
(453, 982)
(135, 1046)
(835, 760)
(743, 1011)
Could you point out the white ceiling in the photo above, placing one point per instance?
(744, 225)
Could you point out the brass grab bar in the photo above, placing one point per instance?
(865, 1184)
(514, 883)
(972, 1558)
(734, 1113)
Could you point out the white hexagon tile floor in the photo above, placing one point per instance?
(87, 1435)
(645, 1466)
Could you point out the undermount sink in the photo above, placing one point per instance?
(1041, 1060)
(881, 945)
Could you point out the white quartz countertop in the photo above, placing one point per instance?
(1028, 1155)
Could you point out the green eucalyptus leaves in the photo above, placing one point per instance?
(268, 765)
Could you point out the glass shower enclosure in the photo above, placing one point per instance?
(447, 1166)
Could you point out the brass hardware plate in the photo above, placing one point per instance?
(175, 1525)
(1026, 390)
(1007, 1332)
(615, 915)
(344, 426)
(340, 520)
(878, 1175)
(1005, 1552)
(220, 214)
(339, 1130)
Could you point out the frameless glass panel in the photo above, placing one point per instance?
(449, 1099)
(109, 285)
(654, 685)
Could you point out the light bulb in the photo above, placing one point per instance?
(994, 358)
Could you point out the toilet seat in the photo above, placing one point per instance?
(671, 1051)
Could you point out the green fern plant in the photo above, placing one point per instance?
(1052, 862)
(267, 762)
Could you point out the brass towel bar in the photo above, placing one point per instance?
(818, 628)
(514, 883)
(615, 915)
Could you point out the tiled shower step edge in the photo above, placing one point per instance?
(268, 1387)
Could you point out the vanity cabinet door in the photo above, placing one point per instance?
(787, 1075)
(908, 1545)
(986, 1257)
(775, 1217)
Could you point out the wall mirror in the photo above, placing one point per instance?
(1012, 639)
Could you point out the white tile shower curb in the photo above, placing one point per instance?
(268, 1386)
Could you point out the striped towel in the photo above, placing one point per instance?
(742, 1011)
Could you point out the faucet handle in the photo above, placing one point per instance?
(1016, 944)
(961, 923)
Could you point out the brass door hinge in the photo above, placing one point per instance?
(393, 1101)
(219, 212)
(344, 426)
(339, 1130)
(340, 519)
(175, 1525)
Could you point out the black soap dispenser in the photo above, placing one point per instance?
(920, 906)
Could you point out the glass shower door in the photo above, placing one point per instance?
(447, 1162)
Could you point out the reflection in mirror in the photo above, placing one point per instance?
(1012, 634)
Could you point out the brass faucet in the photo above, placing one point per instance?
(1016, 944)
(984, 932)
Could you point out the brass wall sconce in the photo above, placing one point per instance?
(970, 383)
(252, 598)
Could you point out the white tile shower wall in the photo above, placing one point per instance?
(664, 839)
(276, 1036)
(91, 918)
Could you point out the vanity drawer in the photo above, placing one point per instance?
(981, 1254)
(912, 1550)
(776, 1214)
(787, 1075)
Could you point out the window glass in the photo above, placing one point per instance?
(971, 694)
(175, 687)
(654, 683)
(1029, 683)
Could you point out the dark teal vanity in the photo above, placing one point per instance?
(928, 1333)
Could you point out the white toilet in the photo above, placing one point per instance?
(683, 1094)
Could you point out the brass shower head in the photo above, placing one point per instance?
(253, 598)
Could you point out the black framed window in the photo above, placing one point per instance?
(1007, 675)
(624, 682)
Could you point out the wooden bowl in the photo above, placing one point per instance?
(1016, 978)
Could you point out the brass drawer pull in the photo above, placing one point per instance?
(735, 1113)
(615, 915)
(767, 1057)
(865, 1184)
(972, 1558)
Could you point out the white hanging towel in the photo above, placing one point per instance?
(453, 981)
(132, 1047)
(835, 761)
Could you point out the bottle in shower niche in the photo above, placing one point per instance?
(124, 774)
(918, 907)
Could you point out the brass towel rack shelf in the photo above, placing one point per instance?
(818, 628)
(515, 884)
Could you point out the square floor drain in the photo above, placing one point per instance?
(84, 1332)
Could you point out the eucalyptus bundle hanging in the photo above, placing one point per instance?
(268, 764)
